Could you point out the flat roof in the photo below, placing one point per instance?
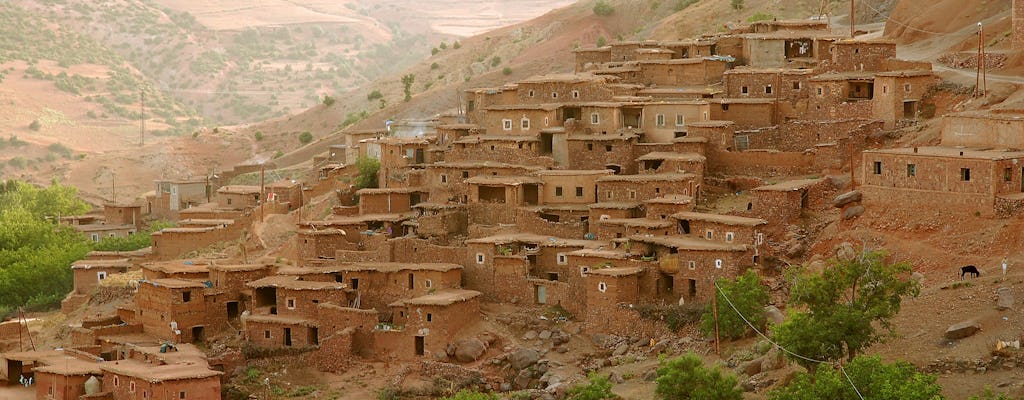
(114, 263)
(159, 373)
(636, 222)
(667, 155)
(177, 266)
(790, 185)
(102, 227)
(373, 191)
(671, 176)
(719, 218)
(545, 241)
(367, 266)
(615, 271)
(518, 106)
(293, 282)
(496, 138)
(239, 189)
(952, 152)
(238, 267)
(174, 283)
(615, 205)
(599, 253)
(572, 172)
(671, 199)
(687, 243)
(280, 319)
(603, 137)
(502, 180)
(564, 78)
(444, 297)
(482, 164)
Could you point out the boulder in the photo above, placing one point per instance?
(469, 350)
(545, 335)
(845, 251)
(917, 277)
(752, 367)
(622, 349)
(962, 330)
(774, 315)
(523, 358)
(1005, 300)
(530, 335)
(853, 212)
(522, 380)
(773, 360)
(847, 198)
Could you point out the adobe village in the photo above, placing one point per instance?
(552, 226)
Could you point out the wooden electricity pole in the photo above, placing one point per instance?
(263, 194)
(714, 310)
(142, 117)
(853, 19)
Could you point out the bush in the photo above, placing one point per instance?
(736, 4)
(506, 70)
(434, 51)
(368, 167)
(278, 154)
(435, 66)
(61, 149)
(674, 317)
(601, 41)
(603, 8)
(407, 81)
(599, 388)
(328, 100)
(873, 378)
(374, 95)
(258, 135)
(466, 394)
(35, 125)
(749, 297)
(686, 377)
(456, 45)
(443, 45)
(305, 137)
(682, 4)
(495, 61)
(760, 16)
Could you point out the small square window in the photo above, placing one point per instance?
(709, 234)
(584, 270)
(554, 95)
(266, 334)
(768, 89)
(1007, 174)
(659, 120)
(796, 85)
(562, 259)
(101, 275)
(531, 93)
(911, 170)
(965, 174)
(680, 120)
(465, 174)
(506, 124)
(608, 148)
(821, 91)
(186, 296)
(131, 387)
(479, 258)
(430, 317)
(718, 263)
(575, 94)
(602, 287)
(181, 395)
(579, 191)
(631, 194)
(725, 106)
(525, 124)
(590, 147)
(558, 191)
(444, 178)
(877, 168)
(744, 90)
(291, 304)
(595, 118)
(692, 265)
(906, 87)
(729, 236)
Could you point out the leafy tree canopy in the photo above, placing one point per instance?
(874, 379)
(686, 377)
(749, 297)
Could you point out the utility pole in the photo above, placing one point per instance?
(142, 117)
(984, 60)
(977, 74)
(113, 193)
(853, 19)
(263, 193)
(853, 181)
(714, 309)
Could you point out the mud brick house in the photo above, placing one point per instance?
(500, 265)
(172, 196)
(681, 93)
(646, 186)
(238, 196)
(996, 128)
(899, 95)
(446, 180)
(519, 119)
(514, 190)
(945, 179)
(612, 151)
(96, 232)
(292, 296)
(667, 162)
(613, 210)
(722, 228)
(569, 186)
(666, 120)
(788, 88)
(612, 228)
(378, 284)
(389, 200)
(695, 262)
(286, 192)
(64, 378)
(613, 295)
(229, 292)
(861, 55)
(783, 203)
(123, 214)
(425, 325)
(89, 273)
(197, 270)
(169, 243)
(744, 113)
(320, 241)
(172, 309)
(554, 88)
(588, 58)
(132, 379)
(523, 149)
(664, 206)
(786, 49)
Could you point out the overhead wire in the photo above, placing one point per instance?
(785, 350)
(890, 19)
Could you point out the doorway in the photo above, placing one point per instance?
(314, 336)
(232, 309)
(684, 226)
(542, 294)
(197, 334)
(909, 109)
(419, 345)
(692, 290)
(287, 336)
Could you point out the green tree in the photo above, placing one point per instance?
(506, 71)
(407, 81)
(368, 167)
(603, 8)
(495, 61)
(844, 305)
(466, 394)
(328, 100)
(686, 377)
(599, 388)
(305, 137)
(456, 45)
(601, 41)
(749, 297)
(374, 95)
(139, 240)
(990, 394)
(874, 379)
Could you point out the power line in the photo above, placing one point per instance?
(787, 351)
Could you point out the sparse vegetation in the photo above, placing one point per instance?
(374, 95)
(872, 378)
(328, 100)
(136, 241)
(407, 81)
(368, 168)
(506, 71)
(601, 41)
(495, 61)
(682, 4)
(760, 16)
(599, 388)
(35, 125)
(258, 135)
(466, 394)
(604, 8)
(736, 4)
(305, 137)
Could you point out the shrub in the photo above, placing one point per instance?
(374, 95)
(435, 66)
(407, 81)
(258, 135)
(507, 71)
(736, 4)
(35, 125)
(601, 41)
(443, 45)
(686, 377)
(603, 8)
(328, 100)
(466, 394)
(434, 51)
(599, 388)
(61, 149)
(760, 16)
(682, 4)
(749, 297)
(305, 137)
(456, 45)
(495, 61)
(278, 154)
(873, 378)
(368, 167)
